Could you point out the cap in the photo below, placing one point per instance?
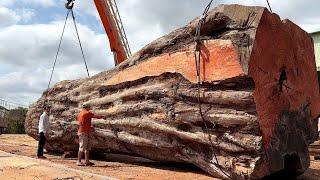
(86, 105)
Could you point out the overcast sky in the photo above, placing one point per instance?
(30, 30)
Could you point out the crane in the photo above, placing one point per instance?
(113, 26)
(111, 20)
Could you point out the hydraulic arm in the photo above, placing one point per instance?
(113, 26)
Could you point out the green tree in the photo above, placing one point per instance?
(16, 118)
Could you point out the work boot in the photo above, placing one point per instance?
(80, 164)
(89, 164)
(41, 157)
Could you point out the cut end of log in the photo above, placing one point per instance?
(259, 96)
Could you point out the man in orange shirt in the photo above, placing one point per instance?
(84, 118)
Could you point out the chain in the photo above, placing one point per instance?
(69, 5)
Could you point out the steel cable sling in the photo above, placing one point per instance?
(269, 6)
(197, 56)
(69, 5)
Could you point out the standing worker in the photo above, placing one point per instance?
(84, 132)
(43, 131)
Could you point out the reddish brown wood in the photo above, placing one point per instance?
(262, 124)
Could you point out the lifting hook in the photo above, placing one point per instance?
(69, 4)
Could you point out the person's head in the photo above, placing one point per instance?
(46, 109)
(86, 106)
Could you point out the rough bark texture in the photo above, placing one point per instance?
(259, 88)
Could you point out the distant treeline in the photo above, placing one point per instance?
(16, 118)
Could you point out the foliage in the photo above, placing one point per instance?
(16, 118)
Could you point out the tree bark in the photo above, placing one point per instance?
(259, 98)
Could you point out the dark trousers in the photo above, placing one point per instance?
(42, 141)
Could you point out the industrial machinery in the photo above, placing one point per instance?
(113, 26)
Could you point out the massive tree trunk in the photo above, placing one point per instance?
(259, 98)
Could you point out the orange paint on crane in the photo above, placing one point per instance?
(219, 61)
(110, 27)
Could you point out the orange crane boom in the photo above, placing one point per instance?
(113, 26)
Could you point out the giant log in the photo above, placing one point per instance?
(258, 94)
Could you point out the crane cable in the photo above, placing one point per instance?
(269, 6)
(58, 50)
(75, 26)
(69, 5)
(197, 56)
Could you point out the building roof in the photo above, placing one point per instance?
(316, 32)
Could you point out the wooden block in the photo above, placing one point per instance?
(259, 98)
